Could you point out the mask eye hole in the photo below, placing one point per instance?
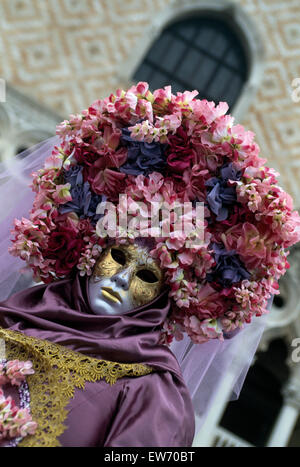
(118, 256)
(147, 276)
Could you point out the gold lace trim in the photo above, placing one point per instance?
(58, 371)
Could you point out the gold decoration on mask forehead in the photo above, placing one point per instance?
(146, 277)
(106, 266)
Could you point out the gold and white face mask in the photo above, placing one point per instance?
(124, 277)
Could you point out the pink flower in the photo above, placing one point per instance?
(62, 194)
(222, 128)
(44, 179)
(108, 182)
(28, 427)
(17, 371)
(170, 123)
(14, 422)
(266, 174)
(252, 298)
(111, 138)
(89, 256)
(291, 230)
(55, 161)
(205, 159)
(170, 330)
(176, 241)
(202, 263)
(165, 257)
(162, 99)
(250, 195)
(63, 129)
(131, 99)
(186, 258)
(201, 331)
(142, 88)
(233, 141)
(182, 296)
(145, 187)
(184, 98)
(64, 246)
(194, 180)
(84, 154)
(145, 110)
(148, 133)
(180, 152)
(28, 239)
(207, 112)
(251, 243)
(176, 278)
(209, 303)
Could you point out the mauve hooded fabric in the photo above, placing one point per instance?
(152, 410)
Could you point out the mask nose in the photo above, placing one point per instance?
(122, 279)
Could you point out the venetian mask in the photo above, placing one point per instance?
(124, 277)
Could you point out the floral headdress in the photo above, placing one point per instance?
(159, 147)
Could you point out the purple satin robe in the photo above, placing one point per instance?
(146, 411)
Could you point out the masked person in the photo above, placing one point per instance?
(98, 330)
(114, 317)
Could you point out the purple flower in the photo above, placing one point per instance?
(229, 268)
(220, 196)
(74, 175)
(143, 158)
(229, 172)
(84, 202)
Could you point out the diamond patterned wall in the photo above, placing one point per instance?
(65, 53)
(273, 116)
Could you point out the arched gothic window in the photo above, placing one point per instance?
(202, 53)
